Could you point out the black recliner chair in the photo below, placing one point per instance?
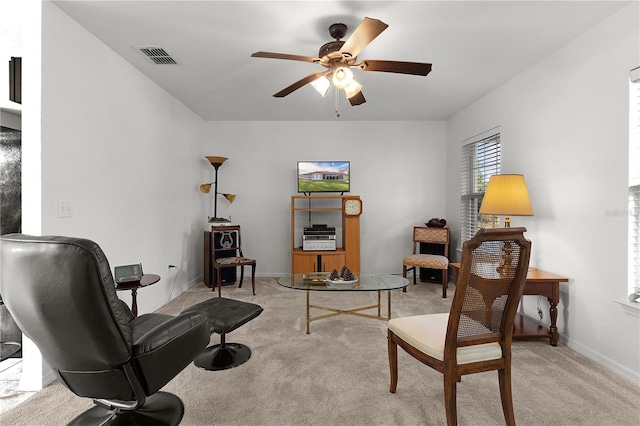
(61, 293)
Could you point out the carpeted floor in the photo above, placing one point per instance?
(338, 375)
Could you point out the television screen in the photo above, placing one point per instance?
(323, 176)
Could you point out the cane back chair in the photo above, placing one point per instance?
(475, 336)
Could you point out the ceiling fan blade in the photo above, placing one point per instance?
(364, 34)
(298, 84)
(357, 99)
(290, 57)
(415, 68)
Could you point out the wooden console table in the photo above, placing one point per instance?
(539, 283)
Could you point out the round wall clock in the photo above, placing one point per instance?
(352, 206)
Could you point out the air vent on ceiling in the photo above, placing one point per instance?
(158, 55)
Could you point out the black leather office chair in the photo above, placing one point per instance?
(61, 293)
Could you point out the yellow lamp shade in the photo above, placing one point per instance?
(216, 160)
(229, 197)
(506, 195)
(205, 188)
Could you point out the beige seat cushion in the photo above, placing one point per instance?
(427, 334)
(433, 261)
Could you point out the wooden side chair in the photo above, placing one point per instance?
(428, 235)
(229, 245)
(475, 336)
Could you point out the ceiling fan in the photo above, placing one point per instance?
(339, 56)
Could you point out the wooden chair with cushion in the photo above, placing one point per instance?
(227, 253)
(475, 336)
(428, 235)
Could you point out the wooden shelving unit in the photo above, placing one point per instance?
(303, 261)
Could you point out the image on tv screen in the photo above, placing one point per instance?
(323, 176)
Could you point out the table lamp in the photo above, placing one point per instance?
(205, 188)
(506, 195)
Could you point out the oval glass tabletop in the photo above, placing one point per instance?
(365, 282)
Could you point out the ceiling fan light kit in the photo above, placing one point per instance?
(339, 56)
(352, 89)
(321, 84)
(342, 77)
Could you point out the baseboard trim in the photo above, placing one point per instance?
(48, 377)
(621, 370)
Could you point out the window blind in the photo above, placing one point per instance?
(634, 181)
(480, 160)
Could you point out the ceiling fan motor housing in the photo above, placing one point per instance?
(338, 30)
(327, 48)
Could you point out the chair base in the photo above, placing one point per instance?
(161, 408)
(219, 357)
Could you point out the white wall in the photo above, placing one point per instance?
(20, 21)
(564, 125)
(124, 153)
(396, 168)
(129, 158)
(14, 16)
(11, 119)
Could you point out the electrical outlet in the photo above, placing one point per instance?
(64, 208)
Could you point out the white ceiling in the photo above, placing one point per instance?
(474, 46)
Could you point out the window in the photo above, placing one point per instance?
(634, 181)
(480, 161)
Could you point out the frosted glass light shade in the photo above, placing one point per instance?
(321, 84)
(342, 77)
(353, 89)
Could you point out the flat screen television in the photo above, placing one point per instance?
(323, 176)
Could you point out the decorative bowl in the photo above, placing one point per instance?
(341, 282)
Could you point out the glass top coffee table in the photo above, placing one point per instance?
(317, 281)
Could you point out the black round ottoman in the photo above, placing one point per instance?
(224, 315)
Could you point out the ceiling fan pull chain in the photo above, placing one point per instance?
(335, 90)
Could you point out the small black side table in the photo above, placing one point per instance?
(147, 280)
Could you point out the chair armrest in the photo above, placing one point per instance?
(164, 345)
(126, 310)
(153, 331)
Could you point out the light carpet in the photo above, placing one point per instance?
(339, 374)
